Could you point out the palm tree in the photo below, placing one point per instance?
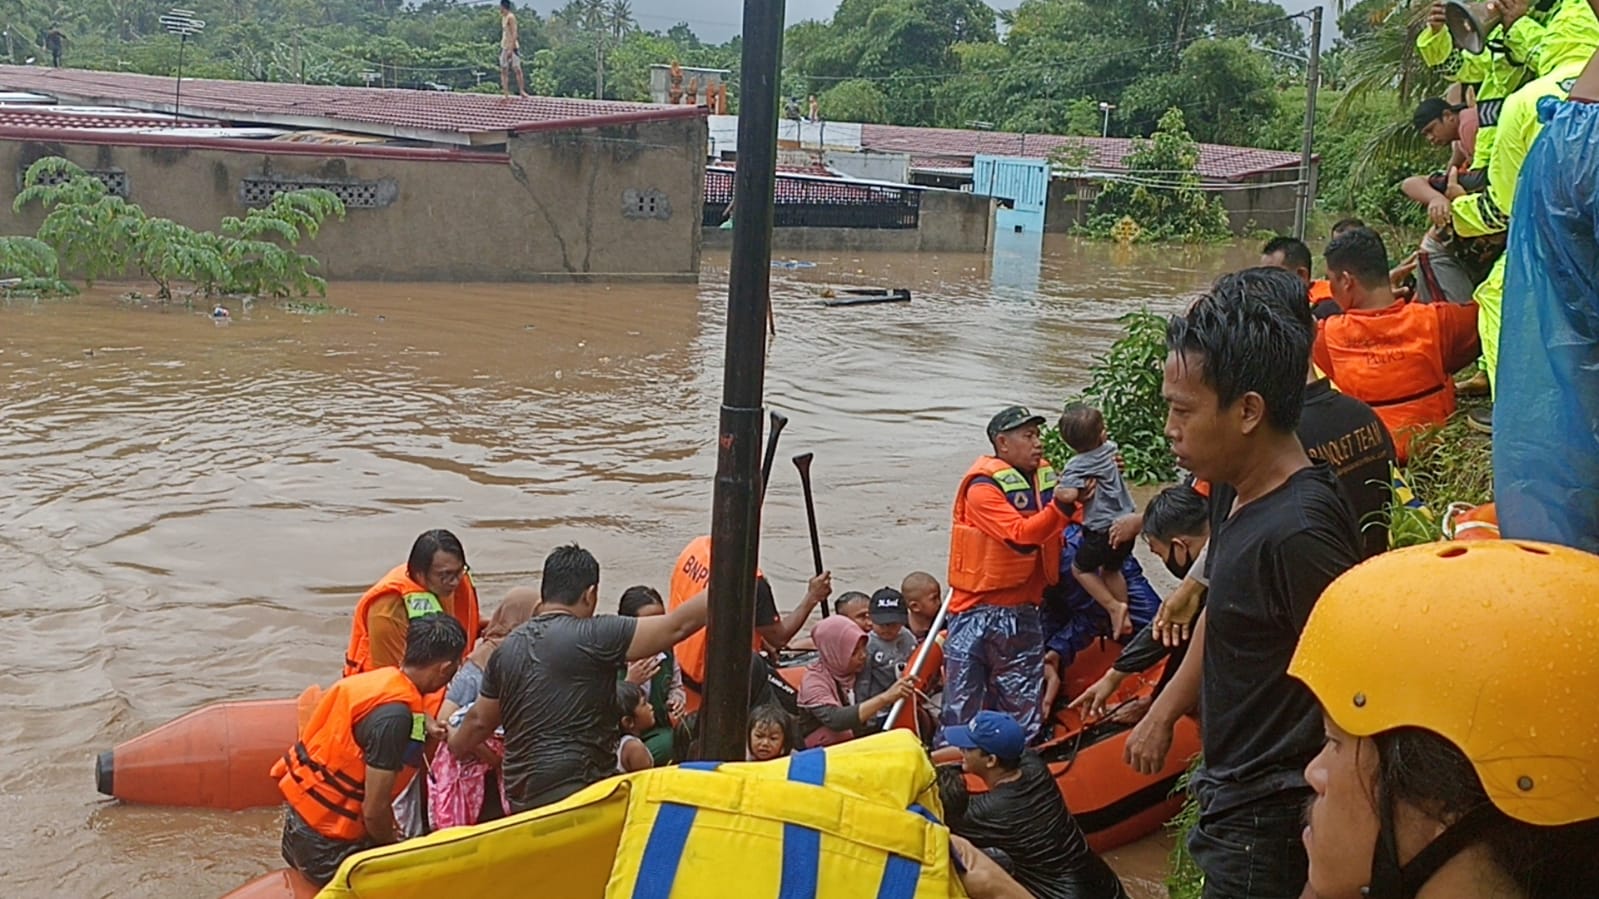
(621, 18)
(596, 21)
(1381, 61)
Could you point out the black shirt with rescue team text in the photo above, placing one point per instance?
(1347, 434)
(1269, 562)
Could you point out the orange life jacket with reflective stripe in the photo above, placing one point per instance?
(323, 775)
(1392, 360)
(977, 562)
(689, 579)
(418, 602)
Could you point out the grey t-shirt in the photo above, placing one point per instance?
(555, 679)
(1111, 499)
(885, 663)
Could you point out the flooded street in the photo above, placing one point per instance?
(193, 510)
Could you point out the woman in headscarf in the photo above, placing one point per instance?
(829, 710)
(466, 790)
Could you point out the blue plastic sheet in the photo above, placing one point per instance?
(1546, 417)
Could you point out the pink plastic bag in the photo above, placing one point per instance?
(456, 786)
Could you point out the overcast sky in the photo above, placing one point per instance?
(717, 20)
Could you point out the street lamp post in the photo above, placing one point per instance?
(1106, 108)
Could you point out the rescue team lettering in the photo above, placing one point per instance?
(1346, 449)
(697, 570)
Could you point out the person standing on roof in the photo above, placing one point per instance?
(510, 52)
(52, 44)
(1005, 546)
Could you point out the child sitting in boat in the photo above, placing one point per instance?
(638, 716)
(829, 710)
(888, 648)
(1098, 566)
(771, 733)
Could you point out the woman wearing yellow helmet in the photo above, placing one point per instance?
(1462, 755)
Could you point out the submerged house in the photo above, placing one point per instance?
(438, 186)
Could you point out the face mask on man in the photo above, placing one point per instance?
(1179, 570)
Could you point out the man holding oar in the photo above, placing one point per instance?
(1005, 545)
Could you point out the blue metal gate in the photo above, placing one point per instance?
(1022, 182)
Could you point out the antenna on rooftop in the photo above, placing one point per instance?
(182, 23)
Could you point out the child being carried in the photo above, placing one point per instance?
(1098, 565)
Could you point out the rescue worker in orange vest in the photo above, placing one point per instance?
(690, 576)
(361, 747)
(1004, 549)
(1291, 255)
(1397, 356)
(433, 581)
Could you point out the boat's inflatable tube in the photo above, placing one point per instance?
(217, 756)
(1546, 414)
(284, 883)
(856, 819)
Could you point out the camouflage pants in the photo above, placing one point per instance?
(994, 659)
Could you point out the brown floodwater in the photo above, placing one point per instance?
(192, 509)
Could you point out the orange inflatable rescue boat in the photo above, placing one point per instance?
(214, 757)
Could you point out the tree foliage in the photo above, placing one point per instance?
(1161, 192)
(95, 234)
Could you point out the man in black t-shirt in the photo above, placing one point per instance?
(1282, 530)
(552, 683)
(1022, 816)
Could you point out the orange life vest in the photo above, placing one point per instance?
(323, 776)
(1392, 360)
(689, 579)
(418, 602)
(980, 564)
(1320, 289)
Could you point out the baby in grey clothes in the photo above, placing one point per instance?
(1098, 564)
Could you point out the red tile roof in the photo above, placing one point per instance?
(953, 148)
(32, 116)
(432, 115)
(800, 188)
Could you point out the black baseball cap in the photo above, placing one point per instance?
(1011, 418)
(888, 607)
(1431, 110)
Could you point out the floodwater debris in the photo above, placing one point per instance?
(311, 307)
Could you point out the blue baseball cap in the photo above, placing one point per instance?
(995, 733)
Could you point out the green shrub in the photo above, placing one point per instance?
(96, 234)
(1161, 192)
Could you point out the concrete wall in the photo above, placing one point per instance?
(555, 211)
(949, 222)
(894, 168)
(1266, 203)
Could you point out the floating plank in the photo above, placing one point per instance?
(869, 296)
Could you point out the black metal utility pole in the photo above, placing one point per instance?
(735, 505)
(1305, 196)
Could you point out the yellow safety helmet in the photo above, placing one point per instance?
(1494, 646)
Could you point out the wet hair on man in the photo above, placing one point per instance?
(433, 639)
(1082, 427)
(1178, 511)
(846, 602)
(1360, 252)
(1295, 255)
(569, 572)
(1244, 343)
(1348, 224)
